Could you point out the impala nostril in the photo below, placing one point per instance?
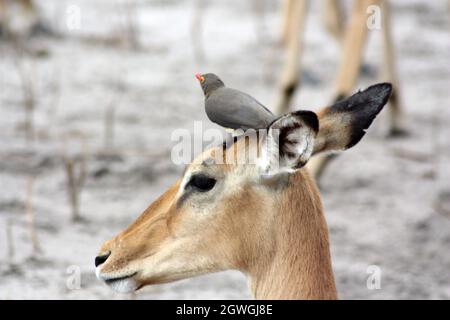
(101, 259)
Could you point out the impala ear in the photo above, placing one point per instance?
(343, 124)
(289, 142)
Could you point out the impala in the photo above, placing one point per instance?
(263, 217)
(353, 37)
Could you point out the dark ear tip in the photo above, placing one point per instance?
(382, 86)
(308, 117)
(370, 102)
(382, 90)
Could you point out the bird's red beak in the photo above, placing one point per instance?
(200, 77)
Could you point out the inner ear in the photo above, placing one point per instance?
(290, 141)
(296, 138)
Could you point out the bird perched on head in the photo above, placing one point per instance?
(231, 108)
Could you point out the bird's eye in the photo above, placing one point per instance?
(202, 183)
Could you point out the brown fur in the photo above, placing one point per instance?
(335, 131)
(278, 237)
(294, 262)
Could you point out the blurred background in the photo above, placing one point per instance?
(90, 92)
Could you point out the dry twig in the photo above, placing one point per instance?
(75, 180)
(30, 217)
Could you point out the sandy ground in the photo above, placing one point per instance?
(387, 201)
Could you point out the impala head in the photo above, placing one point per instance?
(219, 216)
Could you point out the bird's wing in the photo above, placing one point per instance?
(235, 109)
(247, 99)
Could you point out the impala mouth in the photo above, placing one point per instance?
(113, 280)
(122, 284)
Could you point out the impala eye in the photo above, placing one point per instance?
(201, 182)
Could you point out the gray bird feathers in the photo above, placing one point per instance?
(231, 108)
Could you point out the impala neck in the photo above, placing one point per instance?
(297, 265)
